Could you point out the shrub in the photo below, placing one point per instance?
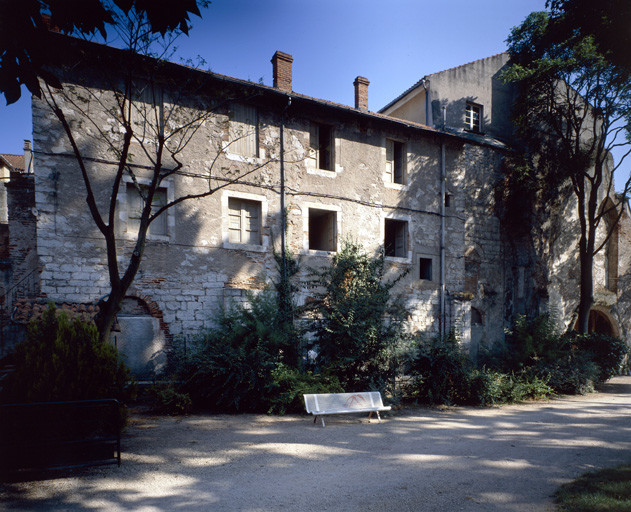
(63, 359)
(573, 374)
(491, 387)
(607, 352)
(230, 367)
(168, 400)
(289, 384)
(442, 372)
(358, 323)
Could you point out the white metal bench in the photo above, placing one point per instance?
(343, 403)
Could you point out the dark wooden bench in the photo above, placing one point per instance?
(59, 435)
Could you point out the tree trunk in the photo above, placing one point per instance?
(586, 298)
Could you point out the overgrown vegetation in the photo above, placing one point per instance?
(63, 359)
(352, 338)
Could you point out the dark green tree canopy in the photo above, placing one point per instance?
(25, 24)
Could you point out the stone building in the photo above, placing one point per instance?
(417, 180)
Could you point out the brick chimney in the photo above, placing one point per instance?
(282, 71)
(361, 92)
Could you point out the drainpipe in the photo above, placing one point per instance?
(442, 233)
(428, 118)
(283, 213)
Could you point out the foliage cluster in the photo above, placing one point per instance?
(63, 359)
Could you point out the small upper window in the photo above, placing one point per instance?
(473, 117)
(244, 221)
(425, 269)
(135, 204)
(243, 131)
(395, 161)
(321, 147)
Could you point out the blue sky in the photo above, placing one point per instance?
(393, 43)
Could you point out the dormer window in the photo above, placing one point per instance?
(473, 117)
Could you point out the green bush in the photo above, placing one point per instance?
(289, 385)
(63, 359)
(607, 352)
(492, 387)
(230, 368)
(168, 400)
(358, 324)
(442, 372)
(572, 374)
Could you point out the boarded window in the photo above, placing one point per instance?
(243, 131)
(395, 161)
(395, 238)
(425, 269)
(136, 197)
(322, 230)
(244, 221)
(146, 114)
(321, 147)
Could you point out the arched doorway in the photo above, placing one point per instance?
(601, 322)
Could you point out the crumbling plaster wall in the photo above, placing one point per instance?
(193, 271)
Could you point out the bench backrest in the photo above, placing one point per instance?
(342, 401)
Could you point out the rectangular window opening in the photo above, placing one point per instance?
(425, 269)
(473, 117)
(395, 238)
(321, 146)
(244, 221)
(322, 230)
(135, 205)
(243, 131)
(395, 161)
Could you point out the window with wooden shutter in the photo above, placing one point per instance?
(395, 162)
(146, 113)
(473, 117)
(321, 147)
(135, 205)
(244, 221)
(244, 131)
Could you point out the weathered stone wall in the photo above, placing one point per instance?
(194, 270)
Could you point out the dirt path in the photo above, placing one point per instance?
(498, 460)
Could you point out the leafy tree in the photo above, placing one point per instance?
(575, 107)
(357, 321)
(24, 32)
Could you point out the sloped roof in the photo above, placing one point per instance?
(14, 161)
(26, 310)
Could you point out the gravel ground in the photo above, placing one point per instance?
(473, 459)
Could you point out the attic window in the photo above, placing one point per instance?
(473, 117)
(321, 146)
(395, 161)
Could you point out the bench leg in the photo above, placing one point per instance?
(370, 415)
(378, 416)
(322, 418)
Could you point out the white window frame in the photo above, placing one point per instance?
(225, 221)
(124, 210)
(473, 111)
(305, 207)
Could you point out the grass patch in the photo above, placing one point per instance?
(605, 490)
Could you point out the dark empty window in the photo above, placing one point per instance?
(395, 238)
(395, 161)
(322, 230)
(321, 142)
(447, 200)
(425, 269)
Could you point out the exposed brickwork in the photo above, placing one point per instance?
(361, 92)
(282, 71)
